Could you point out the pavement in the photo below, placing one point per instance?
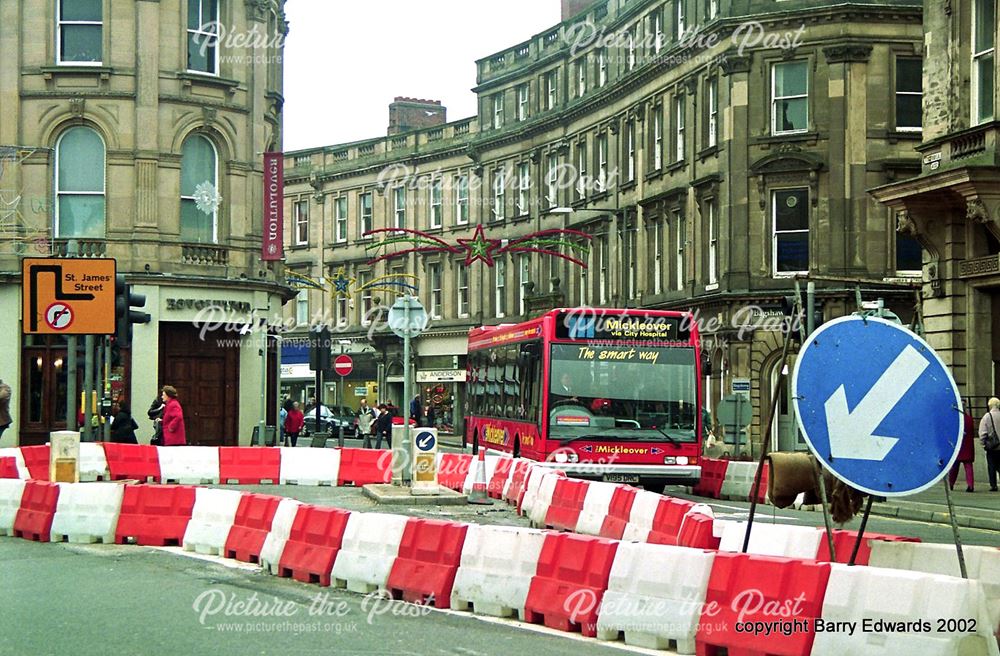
(979, 509)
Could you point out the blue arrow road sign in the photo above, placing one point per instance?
(425, 441)
(877, 406)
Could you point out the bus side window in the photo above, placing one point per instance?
(512, 383)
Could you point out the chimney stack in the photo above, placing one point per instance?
(406, 114)
(571, 8)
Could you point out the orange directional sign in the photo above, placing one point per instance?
(68, 296)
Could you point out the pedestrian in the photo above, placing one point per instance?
(429, 416)
(416, 410)
(966, 456)
(155, 413)
(991, 440)
(173, 418)
(366, 420)
(282, 416)
(5, 394)
(383, 427)
(123, 427)
(294, 423)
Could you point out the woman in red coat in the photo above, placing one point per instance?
(173, 418)
(294, 423)
(966, 456)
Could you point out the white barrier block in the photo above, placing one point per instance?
(533, 478)
(510, 476)
(867, 595)
(640, 519)
(543, 499)
(981, 564)
(309, 466)
(87, 512)
(11, 491)
(369, 549)
(211, 520)
(189, 465)
(93, 463)
(595, 508)
(655, 596)
(738, 482)
(773, 539)
(470, 478)
(15, 453)
(281, 528)
(495, 573)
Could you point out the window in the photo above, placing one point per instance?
(364, 280)
(436, 209)
(340, 219)
(713, 242)
(524, 277)
(80, 202)
(203, 36)
(498, 111)
(630, 40)
(657, 30)
(462, 200)
(499, 197)
(79, 32)
(909, 94)
(602, 161)
(713, 9)
(199, 190)
(581, 77)
(582, 286)
(500, 291)
(789, 98)
(602, 269)
(302, 307)
(657, 257)
(551, 89)
(343, 309)
(657, 138)
(602, 67)
(790, 212)
(399, 207)
(713, 112)
(523, 185)
(984, 22)
(434, 278)
(463, 289)
(300, 211)
(630, 151)
(679, 25)
(581, 170)
(629, 256)
(365, 202)
(679, 128)
(522, 102)
(681, 241)
(909, 256)
(552, 182)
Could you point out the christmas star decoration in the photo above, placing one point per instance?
(479, 247)
(342, 284)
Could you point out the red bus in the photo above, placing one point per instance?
(606, 394)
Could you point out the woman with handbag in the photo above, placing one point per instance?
(173, 418)
(155, 413)
(123, 427)
(966, 456)
(991, 440)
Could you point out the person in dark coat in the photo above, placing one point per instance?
(416, 409)
(383, 427)
(5, 419)
(123, 427)
(429, 417)
(155, 414)
(966, 456)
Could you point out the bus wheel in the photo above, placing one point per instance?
(517, 446)
(475, 444)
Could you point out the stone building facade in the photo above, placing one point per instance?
(133, 130)
(713, 151)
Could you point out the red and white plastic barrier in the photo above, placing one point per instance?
(595, 508)
(429, 554)
(313, 543)
(15, 453)
(211, 520)
(370, 545)
(188, 465)
(87, 513)
(498, 563)
(93, 462)
(11, 491)
(277, 537)
(640, 520)
(773, 539)
(309, 466)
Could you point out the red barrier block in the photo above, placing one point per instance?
(249, 465)
(762, 493)
(713, 473)
(748, 588)
(453, 470)
(155, 515)
(567, 502)
(8, 468)
(132, 461)
(570, 581)
(36, 459)
(363, 466)
(697, 532)
(430, 552)
(619, 511)
(38, 506)
(499, 479)
(843, 545)
(250, 529)
(313, 543)
(668, 519)
(518, 479)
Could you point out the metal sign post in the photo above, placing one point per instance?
(407, 319)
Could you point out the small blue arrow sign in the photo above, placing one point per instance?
(877, 406)
(425, 441)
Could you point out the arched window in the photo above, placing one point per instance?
(200, 197)
(80, 184)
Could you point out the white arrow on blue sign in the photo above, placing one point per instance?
(425, 441)
(877, 406)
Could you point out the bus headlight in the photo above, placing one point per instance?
(669, 460)
(682, 460)
(560, 457)
(573, 457)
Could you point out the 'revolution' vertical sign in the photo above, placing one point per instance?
(274, 189)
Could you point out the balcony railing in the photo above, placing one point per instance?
(205, 255)
(968, 145)
(85, 247)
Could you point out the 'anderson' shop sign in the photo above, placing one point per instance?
(274, 190)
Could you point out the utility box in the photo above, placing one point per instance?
(64, 457)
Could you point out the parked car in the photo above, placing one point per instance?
(331, 419)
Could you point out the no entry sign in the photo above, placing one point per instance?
(343, 365)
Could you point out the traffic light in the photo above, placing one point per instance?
(125, 316)
(320, 345)
(797, 308)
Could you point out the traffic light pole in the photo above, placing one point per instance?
(405, 405)
(107, 384)
(88, 386)
(71, 365)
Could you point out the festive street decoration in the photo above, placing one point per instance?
(302, 281)
(342, 284)
(394, 283)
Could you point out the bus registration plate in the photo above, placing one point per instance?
(620, 478)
